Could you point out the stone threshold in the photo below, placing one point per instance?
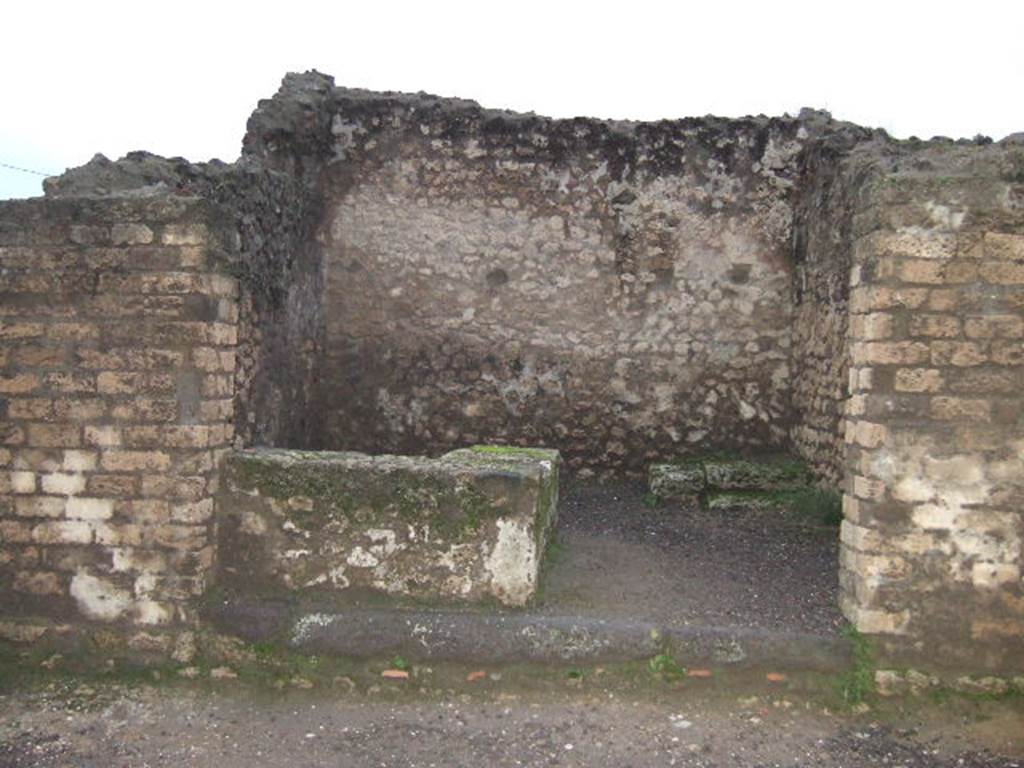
(521, 637)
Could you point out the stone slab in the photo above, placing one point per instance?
(769, 473)
(501, 637)
(676, 481)
(469, 526)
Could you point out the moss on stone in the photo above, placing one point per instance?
(759, 473)
(677, 480)
(755, 500)
(414, 490)
(514, 451)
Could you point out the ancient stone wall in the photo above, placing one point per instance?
(412, 274)
(618, 291)
(279, 270)
(931, 544)
(822, 245)
(118, 328)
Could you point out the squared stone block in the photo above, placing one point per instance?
(469, 526)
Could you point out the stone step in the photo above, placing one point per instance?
(492, 637)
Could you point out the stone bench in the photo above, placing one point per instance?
(721, 482)
(469, 526)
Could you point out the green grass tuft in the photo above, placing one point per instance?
(857, 685)
(665, 666)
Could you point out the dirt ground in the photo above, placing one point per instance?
(675, 563)
(92, 726)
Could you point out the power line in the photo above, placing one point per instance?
(24, 170)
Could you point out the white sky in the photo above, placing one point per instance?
(180, 78)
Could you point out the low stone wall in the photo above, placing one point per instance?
(932, 542)
(117, 355)
(469, 526)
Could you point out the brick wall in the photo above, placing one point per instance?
(117, 337)
(822, 254)
(931, 544)
(280, 307)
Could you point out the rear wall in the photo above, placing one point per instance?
(621, 292)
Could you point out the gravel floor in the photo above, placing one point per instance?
(231, 728)
(679, 564)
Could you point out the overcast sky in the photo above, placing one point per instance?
(180, 78)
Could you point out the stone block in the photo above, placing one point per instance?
(471, 525)
(935, 326)
(958, 353)
(994, 326)
(131, 234)
(676, 481)
(950, 408)
(918, 380)
(185, 234)
(82, 508)
(743, 500)
(40, 506)
(37, 583)
(63, 483)
(103, 437)
(890, 352)
(1002, 272)
(23, 482)
(999, 245)
(132, 461)
(18, 384)
(759, 473)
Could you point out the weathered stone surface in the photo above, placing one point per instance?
(103, 403)
(548, 281)
(469, 526)
(931, 550)
(676, 481)
(824, 259)
(763, 473)
(279, 311)
(754, 483)
(751, 500)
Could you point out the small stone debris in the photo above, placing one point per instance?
(345, 682)
(52, 662)
(223, 673)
